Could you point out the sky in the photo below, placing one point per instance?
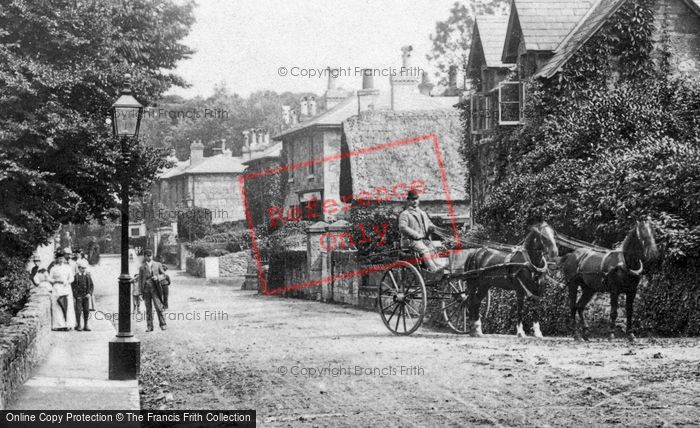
(245, 42)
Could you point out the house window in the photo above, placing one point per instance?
(135, 232)
(311, 205)
(510, 103)
(484, 111)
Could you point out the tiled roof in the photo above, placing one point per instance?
(219, 164)
(332, 117)
(271, 152)
(545, 23)
(588, 26)
(349, 107)
(492, 33)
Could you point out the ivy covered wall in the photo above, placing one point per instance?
(614, 136)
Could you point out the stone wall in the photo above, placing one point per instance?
(23, 343)
(195, 266)
(233, 264)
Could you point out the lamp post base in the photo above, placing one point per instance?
(124, 358)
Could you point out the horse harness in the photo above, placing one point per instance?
(511, 274)
(621, 264)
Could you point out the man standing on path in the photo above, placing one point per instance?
(83, 288)
(149, 273)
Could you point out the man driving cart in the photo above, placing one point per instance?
(415, 227)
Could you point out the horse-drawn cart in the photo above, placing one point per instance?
(406, 286)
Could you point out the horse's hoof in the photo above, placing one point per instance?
(630, 337)
(536, 332)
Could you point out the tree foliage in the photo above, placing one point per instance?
(175, 123)
(453, 36)
(62, 64)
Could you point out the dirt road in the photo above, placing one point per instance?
(301, 363)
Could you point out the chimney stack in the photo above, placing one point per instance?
(312, 106)
(332, 78)
(452, 79)
(333, 95)
(196, 153)
(303, 107)
(425, 85)
(266, 139)
(295, 117)
(406, 53)
(286, 115)
(404, 86)
(367, 96)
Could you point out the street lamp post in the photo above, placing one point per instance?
(125, 349)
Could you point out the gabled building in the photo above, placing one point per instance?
(541, 36)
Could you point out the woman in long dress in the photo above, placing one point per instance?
(62, 306)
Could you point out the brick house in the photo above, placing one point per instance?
(537, 39)
(325, 135)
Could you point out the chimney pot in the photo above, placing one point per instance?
(303, 107)
(367, 79)
(312, 106)
(406, 56)
(332, 78)
(286, 115)
(196, 153)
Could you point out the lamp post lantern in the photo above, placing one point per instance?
(125, 349)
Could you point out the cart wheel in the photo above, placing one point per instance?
(455, 303)
(402, 298)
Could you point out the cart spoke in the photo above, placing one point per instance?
(392, 314)
(386, 308)
(398, 318)
(391, 276)
(404, 320)
(413, 309)
(388, 287)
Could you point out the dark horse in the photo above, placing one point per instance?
(522, 269)
(613, 271)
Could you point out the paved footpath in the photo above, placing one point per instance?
(74, 374)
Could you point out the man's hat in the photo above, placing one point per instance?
(82, 263)
(148, 253)
(67, 251)
(36, 258)
(412, 195)
(58, 253)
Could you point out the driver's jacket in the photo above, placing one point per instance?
(415, 226)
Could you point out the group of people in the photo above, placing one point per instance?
(71, 288)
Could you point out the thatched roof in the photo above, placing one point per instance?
(402, 164)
